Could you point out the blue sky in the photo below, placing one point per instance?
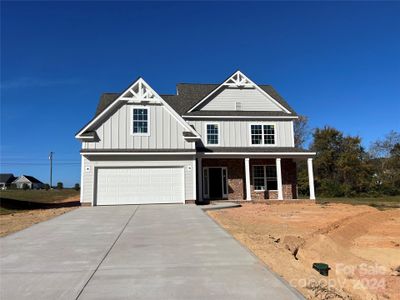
(338, 63)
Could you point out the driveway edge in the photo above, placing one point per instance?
(280, 278)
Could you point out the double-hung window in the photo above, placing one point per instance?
(212, 133)
(264, 178)
(262, 134)
(140, 121)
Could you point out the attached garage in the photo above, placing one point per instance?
(139, 185)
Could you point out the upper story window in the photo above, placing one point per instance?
(212, 133)
(262, 134)
(140, 121)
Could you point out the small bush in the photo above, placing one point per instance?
(60, 185)
(25, 187)
(46, 186)
(77, 187)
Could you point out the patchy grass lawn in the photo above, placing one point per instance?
(42, 196)
(385, 202)
(360, 243)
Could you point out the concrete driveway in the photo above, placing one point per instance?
(133, 252)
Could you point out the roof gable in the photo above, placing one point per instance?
(240, 82)
(7, 177)
(137, 93)
(27, 178)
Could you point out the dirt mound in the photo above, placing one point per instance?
(360, 244)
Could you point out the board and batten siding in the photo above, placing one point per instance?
(115, 132)
(235, 133)
(250, 99)
(90, 164)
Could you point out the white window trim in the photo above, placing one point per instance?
(207, 182)
(262, 128)
(219, 133)
(148, 120)
(265, 177)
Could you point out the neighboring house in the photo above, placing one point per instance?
(30, 181)
(5, 180)
(232, 140)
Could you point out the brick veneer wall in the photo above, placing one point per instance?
(289, 179)
(236, 175)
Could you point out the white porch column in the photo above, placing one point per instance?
(311, 178)
(200, 178)
(247, 177)
(279, 178)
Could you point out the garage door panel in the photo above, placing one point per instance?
(140, 185)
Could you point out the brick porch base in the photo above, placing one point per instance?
(236, 178)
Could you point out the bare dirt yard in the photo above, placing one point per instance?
(360, 243)
(15, 216)
(13, 222)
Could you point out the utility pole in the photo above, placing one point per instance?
(51, 169)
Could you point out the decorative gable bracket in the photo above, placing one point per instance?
(139, 92)
(238, 80)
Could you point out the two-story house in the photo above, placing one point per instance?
(233, 140)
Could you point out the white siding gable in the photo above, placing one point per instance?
(115, 132)
(249, 99)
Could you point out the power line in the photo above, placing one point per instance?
(38, 164)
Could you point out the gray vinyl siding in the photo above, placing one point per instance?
(250, 99)
(115, 132)
(88, 176)
(234, 133)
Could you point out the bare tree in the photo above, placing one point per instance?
(382, 148)
(301, 131)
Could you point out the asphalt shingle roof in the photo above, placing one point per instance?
(7, 178)
(189, 94)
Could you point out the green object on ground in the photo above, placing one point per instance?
(322, 268)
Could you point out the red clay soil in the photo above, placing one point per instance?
(17, 221)
(361, 245)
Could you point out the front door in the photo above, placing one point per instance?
(215, 181)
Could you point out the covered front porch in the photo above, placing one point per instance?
(255, 176)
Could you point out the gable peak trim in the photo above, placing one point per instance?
(239, 80)
(139, 92)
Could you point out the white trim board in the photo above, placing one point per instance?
(206, 135)
(260, 153)
(138, 153)
(239, 117)
(276, 134)
(132, 121)
(238, 79)
(145, 94)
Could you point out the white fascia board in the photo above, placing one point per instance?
(122, 98)
(252, 84)
(240, 117)
(261, 153)
(138, 153)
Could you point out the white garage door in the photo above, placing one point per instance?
(139, 185)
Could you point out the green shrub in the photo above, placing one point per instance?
(60, 185)
(25, 187)
(77, 187)
(46, 186)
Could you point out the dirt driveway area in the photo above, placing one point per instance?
(360, 243)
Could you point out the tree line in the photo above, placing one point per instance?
(344, 168)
